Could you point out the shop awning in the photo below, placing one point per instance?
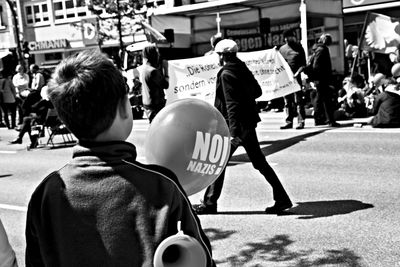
(220, 6)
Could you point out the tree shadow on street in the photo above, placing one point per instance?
(276, 249)
(318, 209)
(276, 146)
(216, 234)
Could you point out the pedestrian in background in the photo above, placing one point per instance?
(8, 101)
(38, 80)
(294, 54)
(213, 42)
(103, 208)
(321, 74)
(21, 83)
(153, 82)
(236, 92)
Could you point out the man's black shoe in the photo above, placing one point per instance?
(300, 126)
(278, 207)
(334, 124)
(16, 141)
(205, 209)
(287, 126)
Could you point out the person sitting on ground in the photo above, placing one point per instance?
(351, 97)
(37, 115)
(103, 208)
(377, 85)
(386, 107)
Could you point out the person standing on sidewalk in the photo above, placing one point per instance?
(154, 81)
(321, 75)
(294, 54)
(8, 101)
(235, 97)
(21, 83)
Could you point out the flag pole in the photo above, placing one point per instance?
(358, 57)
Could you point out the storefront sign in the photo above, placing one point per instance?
(89, 31)
(276, 36)
(248, 39)
(354, 3)
(49, 44)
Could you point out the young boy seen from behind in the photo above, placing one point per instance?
(103, 208)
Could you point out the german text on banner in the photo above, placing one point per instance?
(196, 77)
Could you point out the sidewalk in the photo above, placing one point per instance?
(279, 117)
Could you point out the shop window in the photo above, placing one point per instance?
(36, 13)
(69, 9)
(53, 57)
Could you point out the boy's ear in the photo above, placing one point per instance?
(124, 108)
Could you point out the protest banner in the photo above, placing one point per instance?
(196, 77)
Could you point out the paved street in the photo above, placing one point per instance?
(343, 181)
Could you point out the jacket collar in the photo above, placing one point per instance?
(107, 151)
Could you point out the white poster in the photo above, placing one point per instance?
(196, 77)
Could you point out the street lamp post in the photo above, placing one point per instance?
(12, 4)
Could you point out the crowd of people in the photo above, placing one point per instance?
(68, 219)
(361, 94)
(22, 101)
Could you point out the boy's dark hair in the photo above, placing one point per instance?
(85, 89)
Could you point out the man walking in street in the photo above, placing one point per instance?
(235, 97)
(293, 53)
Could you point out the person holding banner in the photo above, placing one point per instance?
(236, 91)
(321, 74)
(294, 54)
(213, 42)
(153, 82)
(103, 208)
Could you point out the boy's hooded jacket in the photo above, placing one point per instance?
(104, 208)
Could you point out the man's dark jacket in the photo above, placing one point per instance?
(321, 64)
(236, 92)
(387, 110)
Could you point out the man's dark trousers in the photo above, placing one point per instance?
(323, 103)
(257, 158)
(294, 107)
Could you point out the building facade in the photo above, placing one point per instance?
(54, 29)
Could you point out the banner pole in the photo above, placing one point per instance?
(360, 42)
